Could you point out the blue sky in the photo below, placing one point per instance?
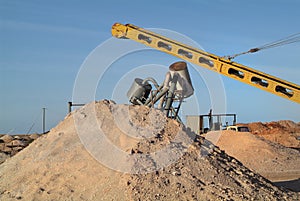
(44, 43)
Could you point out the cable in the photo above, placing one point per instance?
(33, 124)
(287, 40)
(284, 41)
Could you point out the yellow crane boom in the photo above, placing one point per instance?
(210, 61)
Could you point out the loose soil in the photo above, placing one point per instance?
(162, 160)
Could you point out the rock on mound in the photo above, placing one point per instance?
(160, 160)
(12, 144)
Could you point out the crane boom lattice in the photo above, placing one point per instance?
(210, 61)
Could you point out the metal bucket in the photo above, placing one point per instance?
(184, 84)
(139, 91)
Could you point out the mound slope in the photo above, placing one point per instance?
(66, 164)
(273, 161)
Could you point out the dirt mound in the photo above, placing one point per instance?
(160, 159)
(285, 132)
(272, 160)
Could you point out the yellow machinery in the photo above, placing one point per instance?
(210, 61)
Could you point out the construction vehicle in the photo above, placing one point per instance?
(238, 128)
(222, 65)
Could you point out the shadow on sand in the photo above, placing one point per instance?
(293, 185)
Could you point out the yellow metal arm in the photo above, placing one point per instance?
(210, 61)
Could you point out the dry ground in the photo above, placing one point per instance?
(163, 160)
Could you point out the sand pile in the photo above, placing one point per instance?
(271, 160)
(160, 160)
(284, 132)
